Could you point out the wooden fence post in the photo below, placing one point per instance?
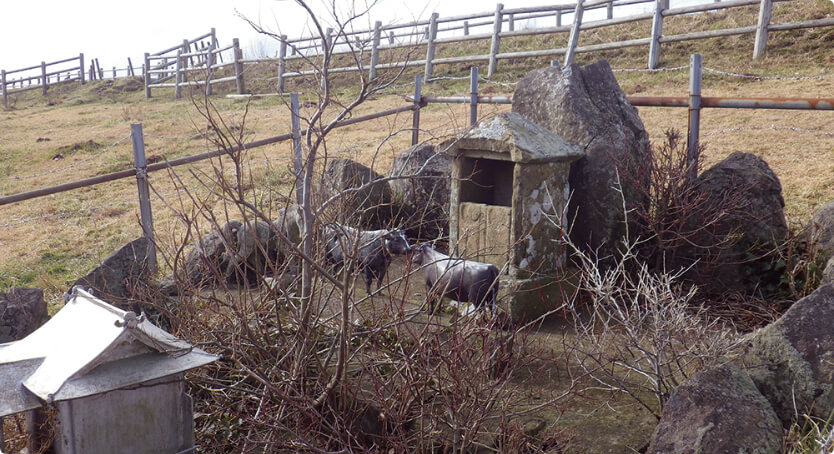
(237, 57)
(415, 115)
(496, 39)
(375, 49)
(99, 70)
(144, 192)
(760, 45)
(430, 45)
(114, 73)
(511, 22)
(558, 17)
(178, 78)
(44, 82)
(657, 32)
(210, 55)
(466, 28)
(296, 147)
(694, 115)
(609, 10)
(473, 95)
(282, 63)
(146, 69)
(130, 71)
(215, 44)
(391, 37)
(81, 68)
(574, 33)
(3, 87)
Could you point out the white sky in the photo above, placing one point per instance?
(113, 30)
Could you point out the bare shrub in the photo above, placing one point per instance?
(640, 332)
(309, 362)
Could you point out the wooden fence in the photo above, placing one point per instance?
(429, 33)
(50, 73)
(205, 62)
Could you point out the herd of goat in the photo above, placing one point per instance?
(240, 251)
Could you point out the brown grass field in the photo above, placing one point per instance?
(78, 131)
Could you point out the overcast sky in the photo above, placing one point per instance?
(112, 30)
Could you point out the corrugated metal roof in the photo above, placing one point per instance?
(89, 347)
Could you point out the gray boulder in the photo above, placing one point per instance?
(208, 260)
(586, 107)
(422, 199)
(828, 273)
(821, 231)
(361, 201)
(792, 359)
(121, 273)
(22, 310)
(717, 411)
(738, 252)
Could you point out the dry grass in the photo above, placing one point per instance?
(50, 241)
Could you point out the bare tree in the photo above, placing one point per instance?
(309, 363)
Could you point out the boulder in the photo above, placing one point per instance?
(361, 201)
(586, 107)
(821, 231)
(207, 262)
(717, 410)
(828, 273)
(738, 252)
(22, 311)
(120, 273)
(792, 359)
(422, 199)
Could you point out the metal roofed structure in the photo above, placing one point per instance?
(91, 353)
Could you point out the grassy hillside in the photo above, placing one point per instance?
(81, 131)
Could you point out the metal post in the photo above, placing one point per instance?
(609, 10)
(238, 56)
(144, 191)
(430, 45)
(282, 63)
(296, 147)
(558, 17)
(81, 68)
(415, 115)
(657, 32)
(496, 39)
(375, 50)
(44, 82)
(574, 33)
(760, 45)
(146, 70)
(694, 115)
(473, 95)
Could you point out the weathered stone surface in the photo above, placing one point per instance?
(718, 410)
(821, 231)
(120, 272)
(746, 190)
(422, 200)
(828, 273)
(22, 310)
(792, 359)
(369, 206)
(207, 262)
(586, 107)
